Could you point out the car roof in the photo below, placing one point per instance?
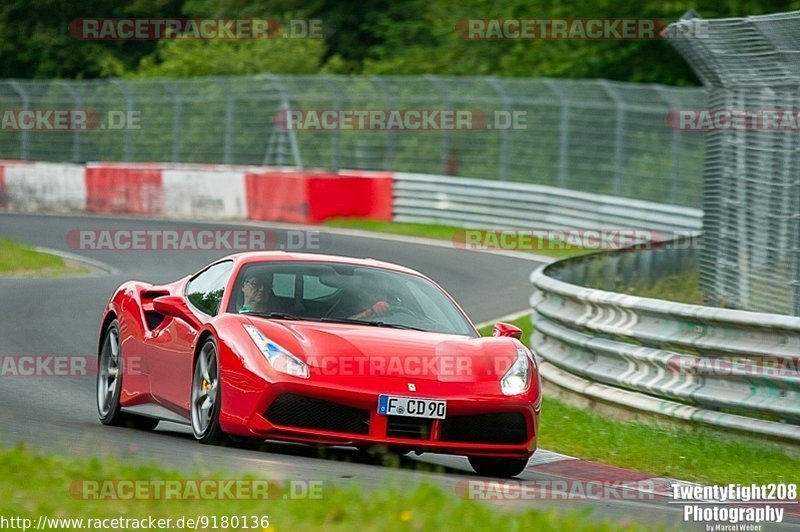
(280, 256)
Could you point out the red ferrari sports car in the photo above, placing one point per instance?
(321, 350)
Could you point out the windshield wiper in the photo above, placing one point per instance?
(371, 323)
(276, 315)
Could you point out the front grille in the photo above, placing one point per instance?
(292, 410)
(409, 427)
(507, 427)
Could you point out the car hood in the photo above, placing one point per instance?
(337, 349)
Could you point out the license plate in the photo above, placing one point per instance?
(392, 405)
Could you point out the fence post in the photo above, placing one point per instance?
(676, 148)
(498, 87)
(336, 137)
(448, 104)
(228, 133)
(176, 119)
(392, 100)
(285, 107)
(26, 105)
(563, 130)
(619, 136)
(125, 90)
(76, 134)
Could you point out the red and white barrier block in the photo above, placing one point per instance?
(196, 191)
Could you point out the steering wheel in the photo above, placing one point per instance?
(401, 310)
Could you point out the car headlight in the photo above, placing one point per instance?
(278, 357)
(518, 377)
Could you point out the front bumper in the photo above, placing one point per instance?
(250, 401)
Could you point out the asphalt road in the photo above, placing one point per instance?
(60, 316)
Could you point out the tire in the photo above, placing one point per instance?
(206, 396)
(498, 467)
(108, 385)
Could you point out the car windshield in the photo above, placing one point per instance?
(345, 293)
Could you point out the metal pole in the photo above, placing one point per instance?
(286, 107)
(392, 100)
(76, 135)
(448, 104)
(619, 136)
(176, 119)
(563, 145)
(26, 105)
(498, 87)
(228, 133)
(123, 88)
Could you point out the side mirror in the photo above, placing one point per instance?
(506, 329)
(176, 307)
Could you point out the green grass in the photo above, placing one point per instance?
(694, 453)
(32, 485)
(17, 259)
(682, 287)
(450, 233)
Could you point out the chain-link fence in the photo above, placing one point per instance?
(751, 200)
(594, 136)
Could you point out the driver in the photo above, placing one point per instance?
(380, 306)
(256, 291)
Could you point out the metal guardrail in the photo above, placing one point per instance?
(496, 204)
(729, 368)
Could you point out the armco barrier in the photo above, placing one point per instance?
(722, 367)
(495, 204)
(196, 191)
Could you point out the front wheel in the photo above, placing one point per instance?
(109, 384)
(206, 396)
(498, 467)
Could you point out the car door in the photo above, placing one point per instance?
(173, 341)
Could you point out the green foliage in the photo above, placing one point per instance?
(380, 37)
(186, 58)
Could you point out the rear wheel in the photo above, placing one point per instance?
(109, 384)
(206, 395)
(498, 467)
